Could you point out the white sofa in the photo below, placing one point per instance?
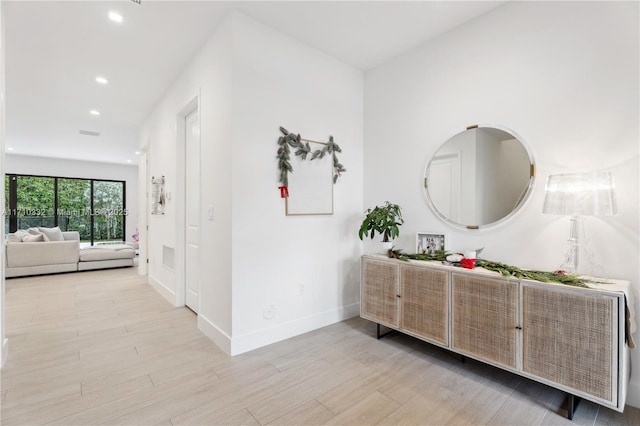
(44, 256)
(35, 258)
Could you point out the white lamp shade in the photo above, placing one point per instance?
(578, 194)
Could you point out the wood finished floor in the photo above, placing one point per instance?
(104, 348)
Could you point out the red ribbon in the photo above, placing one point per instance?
(284, 192)
(468, 263)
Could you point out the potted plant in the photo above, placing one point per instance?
(385, 220)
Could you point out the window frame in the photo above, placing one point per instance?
(12, 201)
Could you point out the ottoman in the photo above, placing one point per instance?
(106, 256)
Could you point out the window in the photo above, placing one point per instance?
(74, 202)
(35, 202)
(94, 208)
(108, 224)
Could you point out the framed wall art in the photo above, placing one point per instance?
(158, 199)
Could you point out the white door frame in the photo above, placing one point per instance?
(180, 199)
(143, 209)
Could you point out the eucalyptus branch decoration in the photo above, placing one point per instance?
(330, 148)
(303, 149)
(439, 255)
(505, 270)
(543, 276)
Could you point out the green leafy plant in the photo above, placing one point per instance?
(385, 220)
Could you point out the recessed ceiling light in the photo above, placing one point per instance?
(115, 17)
(101, 80)
(128, 161)
(137, 152)
(94, 112)
(9, 149)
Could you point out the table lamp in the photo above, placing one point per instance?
(576, 195)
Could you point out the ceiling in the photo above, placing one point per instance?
(55, 50)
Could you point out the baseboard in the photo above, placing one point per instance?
(267, 336)
(219, 337)
(162, 289)
(633, 395)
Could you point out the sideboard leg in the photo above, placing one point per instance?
(572, 404)
(381, 335)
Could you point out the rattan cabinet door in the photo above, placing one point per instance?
(425, 300)
(484, 318)
(569, 337)
(380, 292)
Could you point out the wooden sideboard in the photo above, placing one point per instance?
(567, 337)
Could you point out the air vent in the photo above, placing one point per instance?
(169, 257)
(88, 133)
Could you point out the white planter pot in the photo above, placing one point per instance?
(386, 246)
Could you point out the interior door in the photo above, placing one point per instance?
(444, 184)
(192, 210)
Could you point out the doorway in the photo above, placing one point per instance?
(444, 185)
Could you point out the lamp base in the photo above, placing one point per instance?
(571, 258)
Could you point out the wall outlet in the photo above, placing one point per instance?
(269, 312)
(301, 289)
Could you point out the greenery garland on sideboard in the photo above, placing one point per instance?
(506, 270)
(303, 149)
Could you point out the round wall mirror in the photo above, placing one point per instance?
(479, 177)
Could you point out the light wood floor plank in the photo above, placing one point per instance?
(368, 411)
(418, 410)
(102, 347)
(312, 414)
(231, 401)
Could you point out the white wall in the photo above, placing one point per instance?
(251, 80)
(208, 77)
(30, 165)
(563, 76)
(307, 267)
(3, 341)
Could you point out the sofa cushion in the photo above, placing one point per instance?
(29, 238)
(107, 252)
(54, 234)
(37, 254)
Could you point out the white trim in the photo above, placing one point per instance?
(5, 351)
(144, 181)
(267, 336)
(165, 291)
(217, 336)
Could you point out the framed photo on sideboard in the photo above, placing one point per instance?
(430, 242)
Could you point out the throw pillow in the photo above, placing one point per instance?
(16, 237)
(29, 238)
(53, 234)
